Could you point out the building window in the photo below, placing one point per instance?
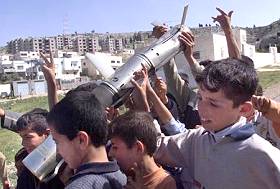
(20, 67)
(113, 61)
(74, 63)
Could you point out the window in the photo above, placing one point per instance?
(20, 67)
(113, 61)
(74, 63)
(118, 61)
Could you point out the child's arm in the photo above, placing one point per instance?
(139, 94)
(48, 69)
(225, 22)
(270, 109)
(187, 39)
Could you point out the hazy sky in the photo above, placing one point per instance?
(48, 17)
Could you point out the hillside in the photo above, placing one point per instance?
(264, 36)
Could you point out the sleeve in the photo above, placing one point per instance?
(172, 106)
(175, 84)
(177, 150)
(174, 127)
(196, 69)
(177, 87)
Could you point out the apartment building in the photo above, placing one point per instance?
(86, 43)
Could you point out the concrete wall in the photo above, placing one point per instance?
(29, 87)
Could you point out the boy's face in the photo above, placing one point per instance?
(68, 149)
(126, 157)
(216, 111)
(30, 139)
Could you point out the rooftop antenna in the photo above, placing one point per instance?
(65, 25)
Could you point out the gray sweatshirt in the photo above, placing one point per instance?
(222, 160)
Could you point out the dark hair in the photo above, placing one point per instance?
(205, 62)
(133, 126)
(34, 120)
(80, 111)
(86, 86)
(235, 77)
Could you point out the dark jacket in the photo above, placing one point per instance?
(97, 175)
(27, 180)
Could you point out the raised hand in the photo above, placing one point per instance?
(111, 113)
(140, 93)
(187, 40)
(161, 89)
(261, 103)
(158, 31)
(137, 181)
(223, 19)
(48, 68)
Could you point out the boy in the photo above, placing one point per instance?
(225, 153)
(33, 129)
(134, 140)
(78, 126)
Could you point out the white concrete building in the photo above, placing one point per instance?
(27, 55)
(213, 46)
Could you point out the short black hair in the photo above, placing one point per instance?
(235, 77)
(34, 120)
(133, 126)
(80, 111)
(86, 86)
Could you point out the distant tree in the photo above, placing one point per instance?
(7, 78)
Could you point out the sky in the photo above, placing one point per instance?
(37, 18)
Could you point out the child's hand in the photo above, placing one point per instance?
(48, 68)
(158, 31)
(6, 184)
(261, 103)
(137, 181)
(140, 93)
(2, 112)
(223, 19)
(112, 113)
(161, 90)
(65, 174)
(187, 39)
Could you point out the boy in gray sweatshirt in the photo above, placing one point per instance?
(225, 152)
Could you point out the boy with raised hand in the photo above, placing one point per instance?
(225, 152)
(134, 138)
(79, 128)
